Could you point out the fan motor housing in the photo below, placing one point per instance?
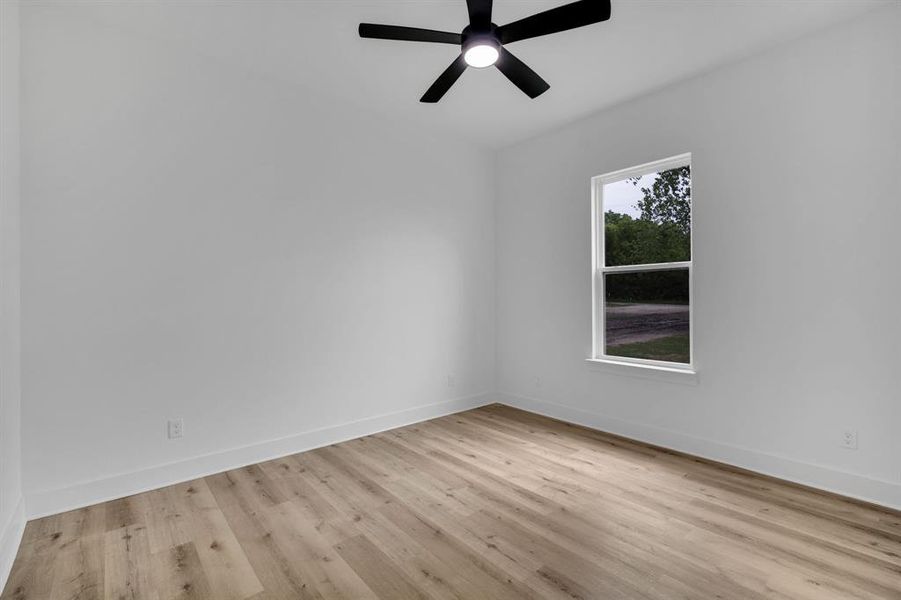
(482, 37)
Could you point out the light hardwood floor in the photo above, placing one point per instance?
(491, 503)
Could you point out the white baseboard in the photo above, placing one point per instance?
(49, 502)
(876, 491)
(10, 538)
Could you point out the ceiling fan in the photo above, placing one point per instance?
(483, 42)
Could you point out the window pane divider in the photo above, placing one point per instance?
(648, 267)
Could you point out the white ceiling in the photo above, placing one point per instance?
(646, 44)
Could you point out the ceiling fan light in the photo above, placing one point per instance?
(481, 55)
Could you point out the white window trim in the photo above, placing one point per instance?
(598, 269)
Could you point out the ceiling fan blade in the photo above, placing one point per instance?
(408, 34)
(445, 81)
(521, 75)
(479, 13)
(562, 18)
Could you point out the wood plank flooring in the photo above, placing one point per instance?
(493, 503)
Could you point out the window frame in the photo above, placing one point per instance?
(599, 268)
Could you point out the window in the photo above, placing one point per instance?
(642, 265)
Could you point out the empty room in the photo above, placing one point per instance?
(450, 299)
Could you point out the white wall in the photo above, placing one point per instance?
(281, 270)
(12, 512)
(796, 202)
(202, 243)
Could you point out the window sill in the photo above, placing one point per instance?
(655, 372)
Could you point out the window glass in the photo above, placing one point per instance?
(647, 219)
(647, 315)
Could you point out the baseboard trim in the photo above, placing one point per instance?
(857, 487)
(10, 538)
(49, 502)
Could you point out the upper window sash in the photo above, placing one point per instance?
(598, 217)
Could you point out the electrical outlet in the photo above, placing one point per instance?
(849, 439)
(538, 382)
(176, 428)
(451, 381)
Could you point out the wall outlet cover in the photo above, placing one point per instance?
(849, 439)
(176, 428)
